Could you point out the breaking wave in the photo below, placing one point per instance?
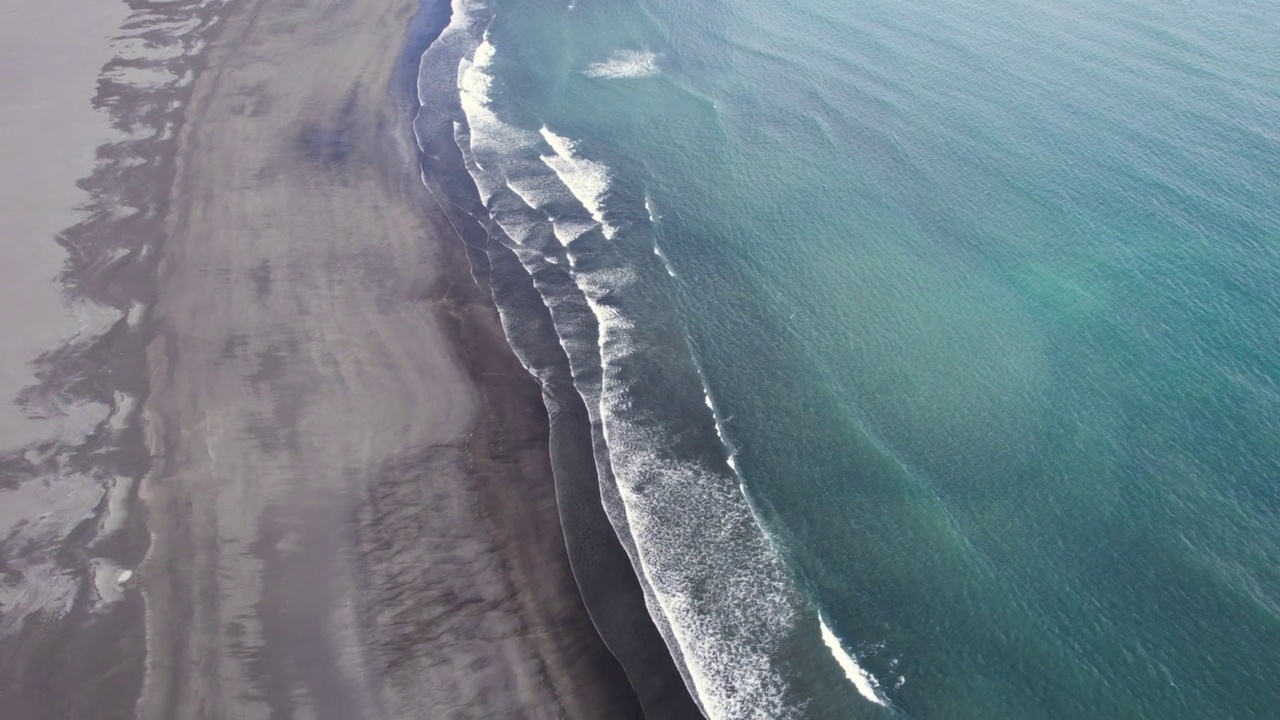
(866, 684)
(717, 590)
(588, 180)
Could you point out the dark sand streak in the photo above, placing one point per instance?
(338, 475)
(343, 522)
(604, 573)
(87, 662)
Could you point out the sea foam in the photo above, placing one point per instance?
(686, 523)
(625, 64)
(490, 136)
(588, 180)
(496, 148)
(666, 262)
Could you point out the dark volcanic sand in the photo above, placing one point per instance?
(343, 474)
(606, 579)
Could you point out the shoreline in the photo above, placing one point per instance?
(331, 490)
(604, 571)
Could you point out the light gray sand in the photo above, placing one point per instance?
(48, 134)
(318, 547)
(62, 487)
(51, 52)
(339, 522)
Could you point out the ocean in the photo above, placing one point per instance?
(904, 359)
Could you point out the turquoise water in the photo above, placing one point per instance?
(945, 331)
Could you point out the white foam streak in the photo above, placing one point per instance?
(666, 263)
(569, 230)
(529, 201)
(724, 621)
(490, 136)
(861, 679)
(625, 64)
(728, 643)
(495, 142)
(648, 206)
(486, 186)
(588, 180)
(681, 520)
(715, 412)
(535, 191)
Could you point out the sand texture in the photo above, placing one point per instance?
(326, 540)
(339, 468)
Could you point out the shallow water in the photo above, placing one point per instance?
(943, 331)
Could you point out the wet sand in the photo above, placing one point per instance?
(344, 525)
(92, 99)
(48, 133)
(339, 468)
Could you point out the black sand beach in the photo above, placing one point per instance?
(604, 573)
(333, 472)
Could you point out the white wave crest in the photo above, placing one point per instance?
(588, 180)
(726, 620)
(681, 519)
(719, 423)
(490, 136)
(495, 148)
(500, 158)
(625, 64)
(536, 191)
(569, 230)
(866, 684)
(475, 80)
(666, 263)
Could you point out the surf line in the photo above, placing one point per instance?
(867, 685)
